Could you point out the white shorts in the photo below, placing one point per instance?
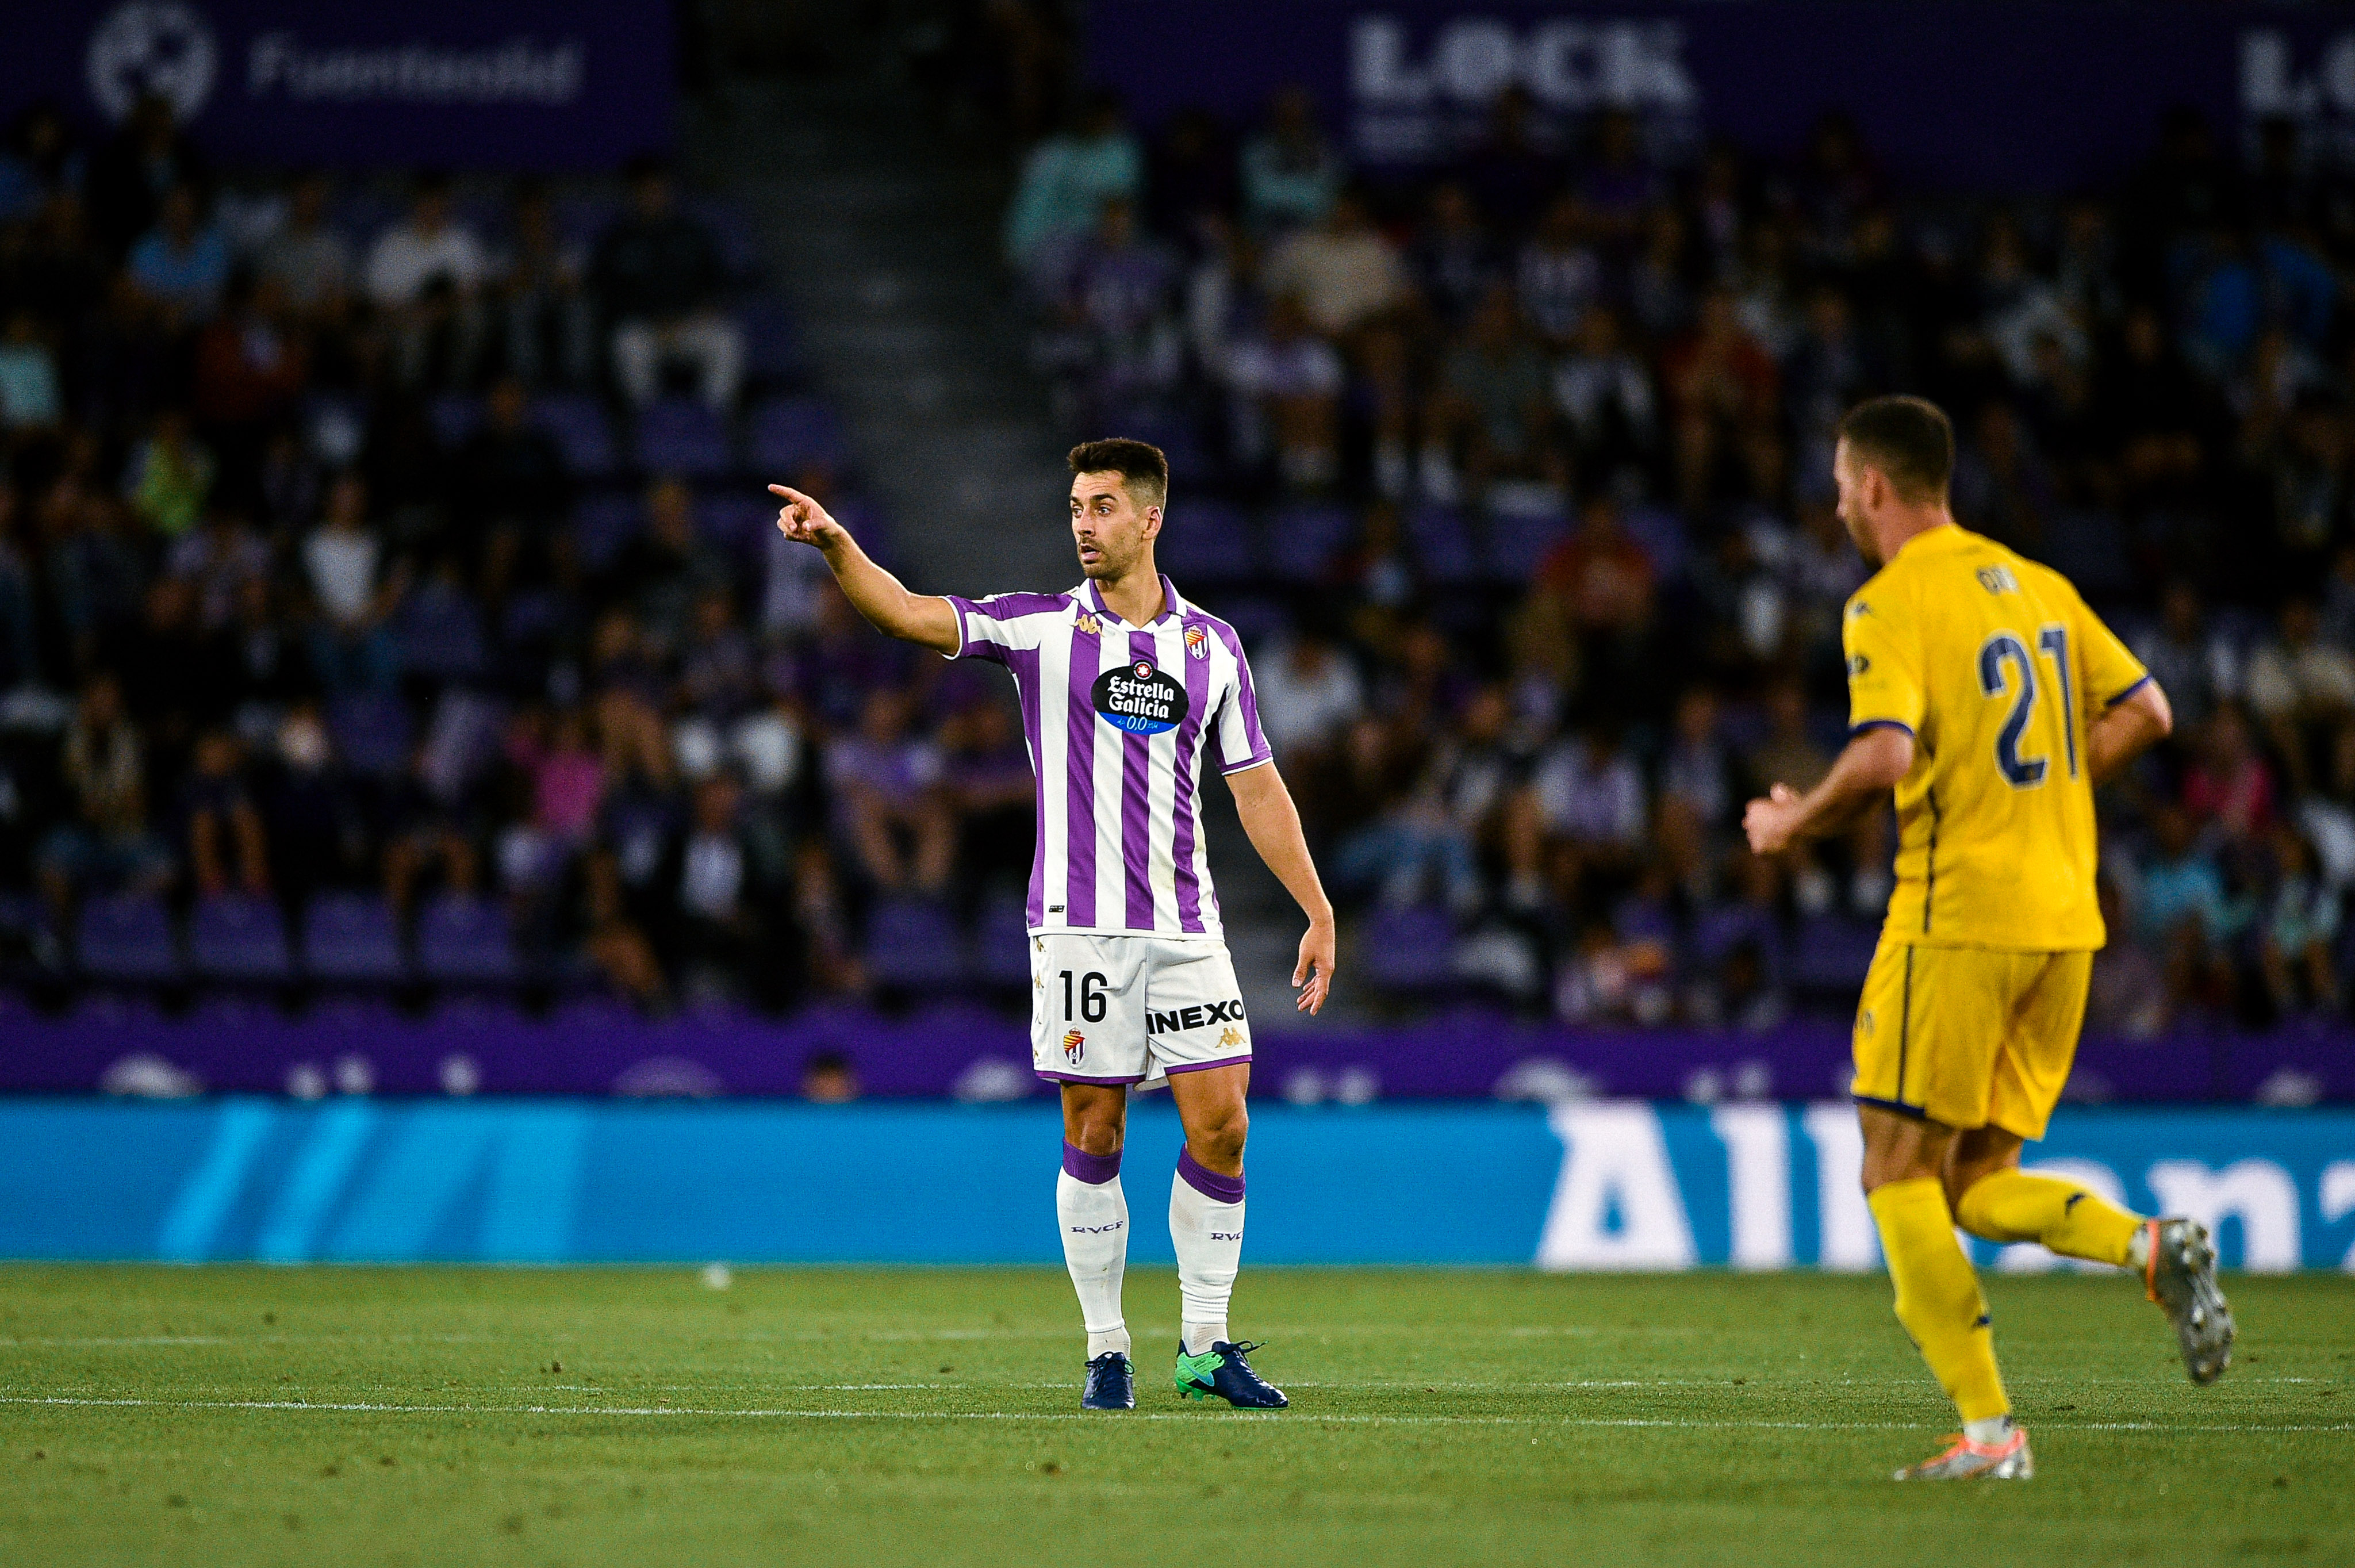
(1133, 1009)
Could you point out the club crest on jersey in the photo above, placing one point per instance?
(1139, 699)
(1075, 1047)
(1088, 623)
(1197, 643)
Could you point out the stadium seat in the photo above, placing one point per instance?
(1441, 543)
(577, 424)
(1001, 949)
(1207, 541)
(736, 519)
(1831, 953)
(127, 939)
(772, 352)
(464, 941)
(783, 435)
(240, 939)
(371, 732)
(913, 946)
(1402, 951)
(683, 437)
(603, 525)
(454, 416)
(1304, 542)
(1518, 541)
(352, 938)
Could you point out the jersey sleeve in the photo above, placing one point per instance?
(1884, 662)
(988, 628)
(1241, 742)
(2112, 673)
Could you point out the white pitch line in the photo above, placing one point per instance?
(357, 1408)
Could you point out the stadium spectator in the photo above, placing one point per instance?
(307, 257)
(149, 155)
(1286, 387)
(357, 590)
(1342, 269)
(181, 265)
(658, 275)
(1490, 418)
(1065, 182)
(547, 321)
(1290, 175)
(890, 806)
(107, 846)
(226, 845)
(426, 275)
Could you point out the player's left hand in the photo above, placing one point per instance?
(1313, 975)
(1768, 821)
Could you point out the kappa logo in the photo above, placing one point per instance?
(1859, 610)
(1186, 1019)
(1864, 1021)
(1075, 1047)
(1998, 579)
(1230, 1036)
(1857, 664)
(1088, 623)
(1197, 643)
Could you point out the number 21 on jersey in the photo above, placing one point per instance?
(2007, 668)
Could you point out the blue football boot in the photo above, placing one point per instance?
(1222, 1371)
(1112, 1384)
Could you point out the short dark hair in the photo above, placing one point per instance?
(1142, 467)
(1909, 439)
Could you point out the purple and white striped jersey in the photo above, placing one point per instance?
(1116, 718)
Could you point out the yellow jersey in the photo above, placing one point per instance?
(1997, 668)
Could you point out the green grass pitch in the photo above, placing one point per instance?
(242, 1415)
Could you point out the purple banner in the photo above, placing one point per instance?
(971, 1054)
(2024, 96)
(510, 85)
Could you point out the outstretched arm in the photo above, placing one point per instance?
(2139, 721)
(886, 602)
(1868, 768)
(1273, 824)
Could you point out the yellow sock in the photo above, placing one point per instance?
(2070, 1219)
(1939, 1297)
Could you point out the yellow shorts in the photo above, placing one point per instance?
(1967, 1037)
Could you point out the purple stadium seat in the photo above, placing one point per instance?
(352, 938)
(238, 939)
(736, 519)
(371, 730)
(912, 944)
(771, 348)
(577, 424)
(1406, 950)
(1718, 931)
(1831, 953)
(439, 631)
(603, 525)
(454, 416)
(1304, 541)
(465, 942)
(683, 437)
(127, 939)
(1519, 541)
(783, 435)
(1207, 541)
(1441, 543)
(1001, 949)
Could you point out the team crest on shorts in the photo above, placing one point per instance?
(1088, 623)
(1075, 1047)
(1197, 643)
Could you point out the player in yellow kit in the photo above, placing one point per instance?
(1992, 701)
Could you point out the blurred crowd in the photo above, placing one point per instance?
(1517, 473)
(380, 560)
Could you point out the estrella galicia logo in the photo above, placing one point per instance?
(151, 45)
(1139, 699)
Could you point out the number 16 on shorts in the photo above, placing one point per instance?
(1130, 1010)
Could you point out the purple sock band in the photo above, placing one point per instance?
(1095, 1169)
(1209, 1183)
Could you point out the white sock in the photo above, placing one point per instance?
(1989, 1431)
(1092, 1214)
(1206, 1222)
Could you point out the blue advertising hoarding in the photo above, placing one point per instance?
(1579, 1185)
(1962, 94)
(509, 84)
